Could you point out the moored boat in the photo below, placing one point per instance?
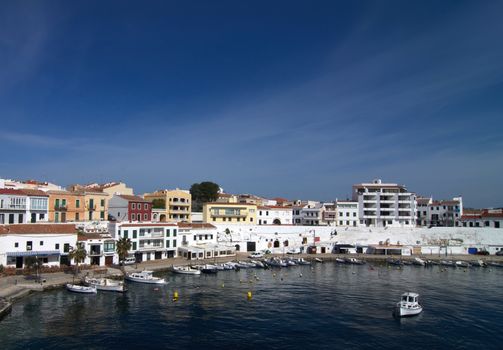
(81, 289)
(408, 305)
(355, 261)
(105, 284)
(419, 262)
(447, 263)
(185, 270)
(144, 277)
(479, 263)
(392, 261)
(340, 260)
(461, 263)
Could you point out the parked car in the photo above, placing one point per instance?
(256, 255)
(129, 261)
(482, 252)
(500, 253)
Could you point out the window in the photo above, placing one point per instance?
(41, 243)
(56, 217)
(135, 232)
(133, 217)
(102, 215)
(66, 248)
(125, 234)
(174, 244)
(145, 206)
(102, 203)
(167, 243)
(354, 214)
(77, 216)
(134, 245)
(133, 205)
(20, 218)
(16, 245)
(56, 246)
(167, 232)
(347, 214)
(174, 232)
(145, 216)
(77, 203)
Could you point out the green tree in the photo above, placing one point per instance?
(159, 203)
(123, 247)
(203, 192)
(31, 264)
(78, 254)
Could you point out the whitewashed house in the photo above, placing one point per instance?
(347, 213)
(50, 243)
(100, 249)
(149, 240)
(23, 206)
(274, 215)
(199, 241)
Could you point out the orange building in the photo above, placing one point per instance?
(66, 206)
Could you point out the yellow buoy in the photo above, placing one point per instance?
(249, 295)
(223, 285)
(175, 296)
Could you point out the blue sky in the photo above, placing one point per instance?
(296, 99)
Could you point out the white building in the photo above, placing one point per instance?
(489, 218)
(347, 213)
(49, 243)
(29, 185)
(274, 215)
(23, 206)
(308, 214)
(199, 241)
(385, 204)
(149, 240)
(100, 249)
(439, 213)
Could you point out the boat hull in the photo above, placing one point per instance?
(80, 289)
(147, 281)
(401, 311)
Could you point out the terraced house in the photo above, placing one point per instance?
(230, 213)
(65, 206)
(171, 205)
(23, 206)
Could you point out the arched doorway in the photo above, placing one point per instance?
(237, 247)
(276, 222)
(162, 218)
(285, 243)
(276, 244)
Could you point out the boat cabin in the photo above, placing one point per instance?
(410, 298)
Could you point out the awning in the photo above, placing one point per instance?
(35, 253)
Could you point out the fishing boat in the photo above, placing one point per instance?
(145, 277)
(105, 284)
(302, 261)
(447, 263)
(258, 263)
(392, 261)
(275, 262)
(81, 289)
(408, 305)
(340, 260)
(185, 270)
(207, 268)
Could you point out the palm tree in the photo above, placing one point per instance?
(123, 247)
(78, 254)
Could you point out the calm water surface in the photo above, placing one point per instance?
(326, 306)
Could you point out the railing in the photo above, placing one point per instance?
(60, 207)
(151, 246)
(91, 207)
(94, 252)
(228, 215)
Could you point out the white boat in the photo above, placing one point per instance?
(340, 260)
(479, 263)
(355, 261)
(460, 263)
(302, 261)
(81, 289)
(408, 305)
(257, 263)
(105, 284)
(276, 262)
(144, 277)
(419, 261)
(318, 260)
(185, 270)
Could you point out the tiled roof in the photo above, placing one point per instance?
(131, 198)
(274, 207)
(88, 236)
(37, 228)
(34, 193)
(194, 225)
(11, 191)
(147, 224)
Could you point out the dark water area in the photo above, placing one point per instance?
(326, 306)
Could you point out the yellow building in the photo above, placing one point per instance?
(95, 205)
(230, 213)
(176, 207)
(65, 206)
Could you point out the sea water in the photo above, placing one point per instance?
(323, 306)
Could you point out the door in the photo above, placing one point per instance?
(19, 262)
(109, 260)
(33, 217)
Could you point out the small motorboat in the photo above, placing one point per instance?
(340, 260)
(479, 263)
(392, 261)
(494, 264)
(419, 262)
(81, 289)
(355, 261)
(318, 260)
(302, 261)
(408, 305)
(185, 270)
(208, 269)
(145, 277)
(105, 284)
(461, 263)
(447, 263)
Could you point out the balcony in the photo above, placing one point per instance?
(14, 206)
(91, 207)
(150, 246)
(235, 215)
(151, 235)
(95, 252)
(60, 207)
